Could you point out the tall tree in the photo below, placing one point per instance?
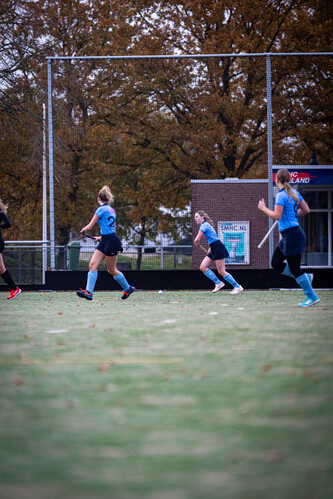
(148, 126)
(231, 91)
(21, 116)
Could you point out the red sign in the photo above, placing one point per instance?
(298, 177)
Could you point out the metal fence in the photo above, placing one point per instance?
(27, 262)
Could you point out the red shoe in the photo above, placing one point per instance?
(14, 293)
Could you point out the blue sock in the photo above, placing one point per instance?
(287, 271)
(305, 284)
(91, 280)
(121, 279)
(231, 280)
(210, 274)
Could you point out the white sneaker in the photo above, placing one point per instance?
(235, 291)
(218, 287)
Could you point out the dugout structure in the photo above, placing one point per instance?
(72, 59)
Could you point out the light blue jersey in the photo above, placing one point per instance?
(289, 215)
(208, 232)
(106, 219)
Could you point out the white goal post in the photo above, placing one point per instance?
(150, 57)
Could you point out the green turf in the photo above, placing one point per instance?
(180, 395)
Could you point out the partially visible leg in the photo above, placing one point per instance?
(8, 280)
(204, 267)
(302, 280)
(294, 265)
(286, 271)
(111, 263)
(278, 261)
(284, 268)
(96, 259)
(2, 265)
(220, 264)
(15, 290)
(293, 268)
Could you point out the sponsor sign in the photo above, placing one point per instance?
(309, 175)
(236, 238)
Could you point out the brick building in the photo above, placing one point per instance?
(232, 205)
(233, 200)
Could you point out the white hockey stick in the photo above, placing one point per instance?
(260, 245)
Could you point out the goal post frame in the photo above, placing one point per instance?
(267, 55)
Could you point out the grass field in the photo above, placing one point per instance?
(177, 395)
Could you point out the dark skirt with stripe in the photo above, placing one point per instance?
(217, 251)
(110, 245)
(292, 242)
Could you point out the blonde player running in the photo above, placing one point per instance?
(217, 253)
(108, 247)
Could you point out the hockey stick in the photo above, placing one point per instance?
(260, 245)
(86, 235)
(203, 249)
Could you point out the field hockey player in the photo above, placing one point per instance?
(217, 252)
(5, 224)
(108, 247)
(290, 204)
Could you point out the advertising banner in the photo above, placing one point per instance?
(308, 175)
(236, 238)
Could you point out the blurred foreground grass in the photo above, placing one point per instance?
(180, 395)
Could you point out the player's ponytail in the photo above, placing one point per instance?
(206, 217)
(283, 176)
(3, 206)
(105, 195)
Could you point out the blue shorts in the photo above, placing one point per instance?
(217, 251)
(110, 245)
(292, 242)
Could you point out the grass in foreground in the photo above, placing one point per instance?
(181, 395)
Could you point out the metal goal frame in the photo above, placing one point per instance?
(266, 55)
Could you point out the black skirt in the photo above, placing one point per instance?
(217, 251)
(110, 245)
(292, 242)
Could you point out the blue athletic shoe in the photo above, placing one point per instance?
(309, 302)
(126, 294)
(83, 293)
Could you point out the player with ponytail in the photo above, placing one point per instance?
(5, 224)
(290, 204)
(108, 247)
(218, 253)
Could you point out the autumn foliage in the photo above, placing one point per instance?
(148, 126)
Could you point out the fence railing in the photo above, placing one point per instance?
(27, 261)
(144, 257)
